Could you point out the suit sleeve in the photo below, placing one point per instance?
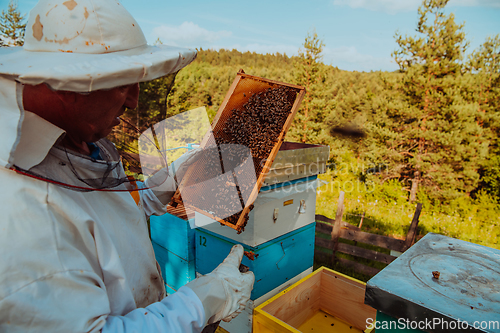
(181, 312)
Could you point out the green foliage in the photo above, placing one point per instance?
(384, 104)
(435, 122)
(386, 210)
(491, 177)
(429, 130)
(12, 26)
(483, 89)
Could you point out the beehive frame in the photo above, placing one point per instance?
(241, 90)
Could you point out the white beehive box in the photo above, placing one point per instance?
(286, 202)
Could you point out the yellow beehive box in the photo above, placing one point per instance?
(323, 301)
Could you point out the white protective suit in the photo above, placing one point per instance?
(79, 261)
(75, 261)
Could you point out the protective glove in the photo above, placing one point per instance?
(225, 291)
(164, 182)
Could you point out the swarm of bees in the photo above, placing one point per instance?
(259, 124)
(254, 128)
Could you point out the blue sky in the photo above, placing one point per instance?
(358, 34)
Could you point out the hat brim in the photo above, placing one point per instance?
(87, 72)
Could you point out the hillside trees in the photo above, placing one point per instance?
(12, 26)
(351, 102)
(309, 73)
(433, 126)
(432, 133)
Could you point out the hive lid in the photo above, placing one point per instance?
(467, 289)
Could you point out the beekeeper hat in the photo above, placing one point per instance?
(86, 45)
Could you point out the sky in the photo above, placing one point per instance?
(358, 34)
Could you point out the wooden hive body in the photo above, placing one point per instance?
(324, 301)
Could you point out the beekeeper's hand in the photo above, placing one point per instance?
(225, 291)
(165, 181)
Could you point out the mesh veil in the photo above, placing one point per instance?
(117, 161)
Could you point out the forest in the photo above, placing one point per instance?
(426, 133)
(430, 128)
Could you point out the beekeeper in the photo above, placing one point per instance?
(75, 252)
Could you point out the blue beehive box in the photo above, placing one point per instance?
(275, 261)
(175, 270)
(173, 243)
(173, 233)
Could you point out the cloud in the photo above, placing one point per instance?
(349, 58)
(188, 34)
(387, 6)
(396, 6)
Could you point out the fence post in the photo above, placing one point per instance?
(336, 226)
(412, 232)
(361, 222)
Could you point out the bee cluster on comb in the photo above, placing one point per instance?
(259, 123)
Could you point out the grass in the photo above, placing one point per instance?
(476, 221)
(387, 212)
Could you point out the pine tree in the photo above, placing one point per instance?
(310, 74)
(12, 26)
(434, 129)
(483, 89)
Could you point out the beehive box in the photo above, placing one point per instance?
(273, 262)
(440, 284)
(176, 271)
(247, 132)
(243, 322)
(278, 209)
(324, 301)
(173, 232)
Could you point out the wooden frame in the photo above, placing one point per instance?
(339, 229)
(238, 98)
(181, 212)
